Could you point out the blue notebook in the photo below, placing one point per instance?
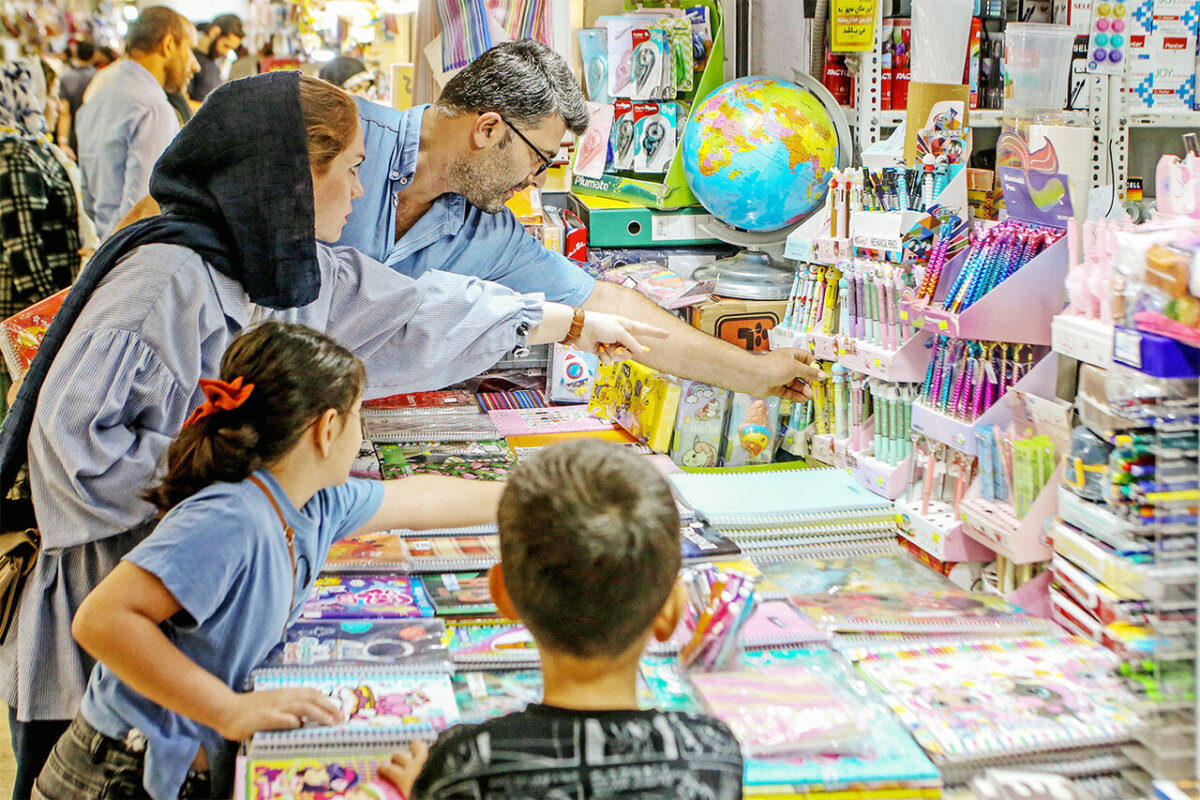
(779, 497)
(888, 757)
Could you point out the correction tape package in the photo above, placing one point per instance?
(702, 38)
(654, 130)
(624, 143)
(593, 50)
(591, 154)
(619, 44)
(683, 59)
(653, 72)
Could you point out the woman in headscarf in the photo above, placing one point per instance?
(41, 227)
(266, 168)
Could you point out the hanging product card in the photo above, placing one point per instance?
(591, 155)
(653, 72)
(593, 49)
(624, 145)
(620, 54)
(654, 130)
(853, 25)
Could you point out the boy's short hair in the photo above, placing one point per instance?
(589, 542)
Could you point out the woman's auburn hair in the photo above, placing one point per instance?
(330, 121)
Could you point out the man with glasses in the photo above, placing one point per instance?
(436, 179)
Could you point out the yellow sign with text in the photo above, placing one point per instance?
(853, 25)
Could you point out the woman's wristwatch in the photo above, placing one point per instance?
(576, 329)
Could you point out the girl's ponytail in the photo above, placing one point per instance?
(284, 376)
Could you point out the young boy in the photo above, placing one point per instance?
(589, 553)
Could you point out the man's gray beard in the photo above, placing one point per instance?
(479, 181)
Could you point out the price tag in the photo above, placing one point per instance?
(943, 325)
(904, 315)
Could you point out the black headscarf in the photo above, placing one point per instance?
(234, 186)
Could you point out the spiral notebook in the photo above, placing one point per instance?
(381, 708)
(890, 569)
(783, 710)
(449, 400)
(556, 419)
(972, 703)
(409, 644)
(745, 499)
(913, 612)
(459, 594)
(440, 425)
(328, 777)
(485, 694)
(355, 596)
(490, 644)
(887, 759)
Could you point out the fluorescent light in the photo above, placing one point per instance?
(131, 13)
(323, 55)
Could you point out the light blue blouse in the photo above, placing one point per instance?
(237, 597)
(126, 379)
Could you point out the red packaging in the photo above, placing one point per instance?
(887, 71)
(23, 332)
(576, 245)
(837, 78)
(901, 62)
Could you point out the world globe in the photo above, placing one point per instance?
(757, 153)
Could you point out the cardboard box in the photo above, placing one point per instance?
(1176, 17)
(741, 322)
(921, 98)
(613, 223)
(1163, 76)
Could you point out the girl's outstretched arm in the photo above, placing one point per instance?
(434, 501)
(118, 624)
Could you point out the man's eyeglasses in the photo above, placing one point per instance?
(546, 163)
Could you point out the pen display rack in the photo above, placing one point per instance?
(1125, 570)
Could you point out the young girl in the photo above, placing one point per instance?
(257, 492)
(267, 167)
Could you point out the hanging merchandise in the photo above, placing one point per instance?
(465, 31)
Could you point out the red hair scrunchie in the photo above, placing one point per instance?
(221, 396)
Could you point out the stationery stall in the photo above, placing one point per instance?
(965, 564)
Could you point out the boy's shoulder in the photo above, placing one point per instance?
(671, 749)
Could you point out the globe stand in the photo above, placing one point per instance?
(752, 274)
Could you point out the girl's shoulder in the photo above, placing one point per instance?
(220, 509)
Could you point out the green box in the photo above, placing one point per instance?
(673, 191)
(613, 223)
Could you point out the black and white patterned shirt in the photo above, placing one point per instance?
(39, 225)
(549, 752)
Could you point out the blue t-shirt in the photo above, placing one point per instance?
(223, 556)
(453, 235)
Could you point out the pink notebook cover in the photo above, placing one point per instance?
(556, 419)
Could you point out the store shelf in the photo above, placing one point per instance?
(1017, 310)
(879, 477)
(1167, 118)
(1086, 340)
(986, 117)
(906, 365)
(957, 433)
(996, 525)
(939, 533)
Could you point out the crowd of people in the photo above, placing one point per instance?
(255, 221)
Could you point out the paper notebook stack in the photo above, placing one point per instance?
(1049, 701)
(789, 514)
(381, 708)
(808, 726)
(444, 416)
(313, 777)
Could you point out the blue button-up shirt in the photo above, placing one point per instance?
(453, 235)
(122, 132)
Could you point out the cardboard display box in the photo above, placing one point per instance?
(741, 322)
